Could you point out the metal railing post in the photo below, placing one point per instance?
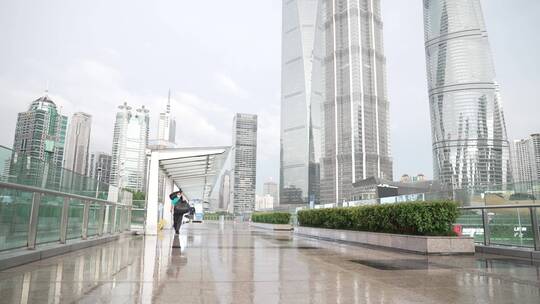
(86, 211)
(101, 220)
(113, 217)
(129, 218)
(64, 220)
(485, 222)
(535, 228)
(33, 222)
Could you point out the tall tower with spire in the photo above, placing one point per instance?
(167, 125)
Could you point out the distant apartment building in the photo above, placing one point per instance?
(99, 166)
(271, 188)
(130, 140)
(244, 158)
(406, 178)
(78, 143)
(264, 202)
(526, 159)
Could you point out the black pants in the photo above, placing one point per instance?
(177, 216)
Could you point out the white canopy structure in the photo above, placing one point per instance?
(194, 170)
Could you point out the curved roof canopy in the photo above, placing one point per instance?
(194, 170)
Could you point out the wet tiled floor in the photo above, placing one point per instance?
(209, 263)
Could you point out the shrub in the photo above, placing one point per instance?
(416, 218)
(271, 217)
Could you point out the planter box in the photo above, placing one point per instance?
(412, 243)
(276, 227)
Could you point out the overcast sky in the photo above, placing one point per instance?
(222, 57)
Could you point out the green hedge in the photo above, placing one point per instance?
(416, 218)
(271, 217)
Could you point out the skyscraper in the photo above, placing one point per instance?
(41, 132)
(99, 166)
(526, 159)
(130, 138)
(244, 157)
(470, 146)
(78, 143)
(301, 97)
(356, 139)
(167, 126)
(271, 188)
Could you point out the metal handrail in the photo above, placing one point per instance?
(58, 193)
(38, 193)
(500, 206)
(485, 220)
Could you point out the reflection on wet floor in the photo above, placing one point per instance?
(209, 263)
(402, 264)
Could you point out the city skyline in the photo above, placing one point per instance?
(99, 80)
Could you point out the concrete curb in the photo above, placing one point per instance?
(275, 227)
(18, 257)
(438, 245)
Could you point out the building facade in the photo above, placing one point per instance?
(526, 159)
(244, 157)
(78, 143)
(356, 137)
(265, 202)
(41, 131)
(130, 140)
(470, 146)
(167, 126)
(271, 188)
(301, 98)
(99, 167)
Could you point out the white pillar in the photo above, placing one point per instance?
(152, 207)
(168, 188)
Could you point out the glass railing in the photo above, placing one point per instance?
(138, 215)
(503, 225)
(22, 169)
(32, 216)
(41, 203)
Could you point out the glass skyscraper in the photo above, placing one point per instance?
(41, 132)
(470, 146)
(130, 139)
(301, 96)
(356, 139)
(78, 143)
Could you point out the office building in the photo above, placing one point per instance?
(470, 146)
(40, 134)
(130, 140)
(100, 166)
(356, 138)
(244, 157)
(78, 143)
(271, 188)
(301, 98)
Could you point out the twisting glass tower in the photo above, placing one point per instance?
(470, 146)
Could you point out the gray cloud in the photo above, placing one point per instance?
(222, 57)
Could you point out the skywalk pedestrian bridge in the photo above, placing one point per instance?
(233, 263)
(69, 239)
